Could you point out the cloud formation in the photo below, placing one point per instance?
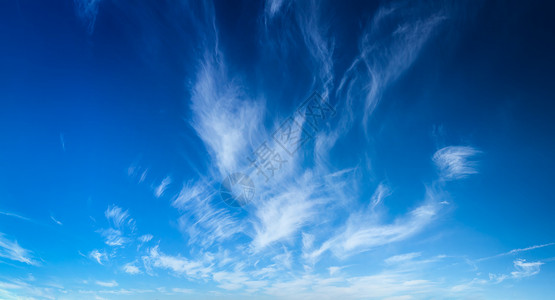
(87, 10)
(525, 269)
(12, 251)
(453, 162)
(391, 42)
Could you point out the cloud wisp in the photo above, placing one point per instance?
(453, 162)
(13, 251)
(87, 10)
(390, 44)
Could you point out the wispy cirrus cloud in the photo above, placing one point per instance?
(516, 251)
(223, 115)
(383, 285)
(297, 202)
(390, 44)
(272, 7)
(13, 251)
(402, 258)
(63, 142)
(131, 268)
(177, 264)
(381, 192)
(87, 10)
(121, 223)
(109, 284)
(113, 237)
(118, 217)
(522, 269)
(203, 220)
(313, 206)
(182, 290)
(161, 188)
(453, 162)
(360, 235)
(9, 214)
(279, 217)
(364, 229)
(318, 42)
(56, 220)
(98, 256)
(300, 27)
(525, 269)
(146, 238)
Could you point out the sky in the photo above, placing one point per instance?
(277, 149)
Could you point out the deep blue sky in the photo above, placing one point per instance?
(433, 180)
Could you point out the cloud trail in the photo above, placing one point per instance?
(87, 10)
(453, 162)
(12, 251)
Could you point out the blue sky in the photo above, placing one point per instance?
(424, 169)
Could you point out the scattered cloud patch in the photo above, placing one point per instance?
(118, 217)
(99, 257)
(9, 214)
(87, 10)
(146, 238)
(109, 284)
(525, 269)
(177, 264)
(55, 220)
(402, 258)
(12, 251)
(453, 162)
(159, 191)
(131, 268)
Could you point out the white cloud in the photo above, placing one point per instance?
(182, 291)
(319, 45)
(162, 187)
(334, 269)
(56, 221)
(303, 30)
(514, 251)
(284, 260)
(118, 217)
(120, 221)
(131, 268)
(453, 162)
(177, 264)
(230, 280)
(379, 286)
(110, 284)
(9, 214)
(12, 251)
(146, 238)
(380, 193)
(63, 142)
(87, 10)
(100, 257)
(359, 236)
(363, 231)
(402, 258)
(525, 269)
(497, 278)
(390, 44)
(203, 220)
(113, 237)
(223, 116)
(272, 7)
(281, 216)
(137, 172)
